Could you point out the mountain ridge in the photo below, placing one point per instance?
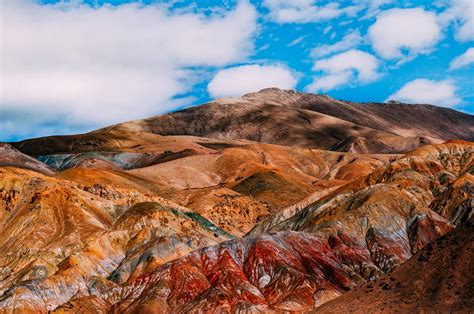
(291, 118)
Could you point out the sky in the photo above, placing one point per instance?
(74, 66)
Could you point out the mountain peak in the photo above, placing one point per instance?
(289, 97)
(271, 91)
(275, 91)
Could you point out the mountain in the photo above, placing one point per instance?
(63, 235)
(288, 118)
(297, 119)
(239, 205)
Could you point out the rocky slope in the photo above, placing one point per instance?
(355, 234)
(393, 117)
(61, 238)
(298, 119)
(102, 226)
(439, 277)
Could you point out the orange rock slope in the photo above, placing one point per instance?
(356, 234)
(118, 245)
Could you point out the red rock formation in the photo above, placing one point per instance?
(437, 279)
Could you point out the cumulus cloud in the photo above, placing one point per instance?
(350, 66)
(350, 40)
(463, 60)
(413, 30)
(244, 79)
(305, 11)
(90, 66)
(461, 12)
(424, 91)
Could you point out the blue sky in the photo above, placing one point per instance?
(73, 66)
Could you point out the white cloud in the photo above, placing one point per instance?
(89, 66)
(374, 7)
(295, 41)
(329, 81)
(327, 29)
(353, 65)
(350, 40)
(240, 80)
(305, 11)
(414, 30)
(463, 60)
(461, 12)
(424, 91)
(312, 11)
(379, 3)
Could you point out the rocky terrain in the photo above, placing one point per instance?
(438, 277)
(273, 202)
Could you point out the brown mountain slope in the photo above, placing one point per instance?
(285, 118)
(274, 124)
(121, 140)
(10, 157)
(291, 118)
(394, 117)
(223, 121)
(439, 278)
